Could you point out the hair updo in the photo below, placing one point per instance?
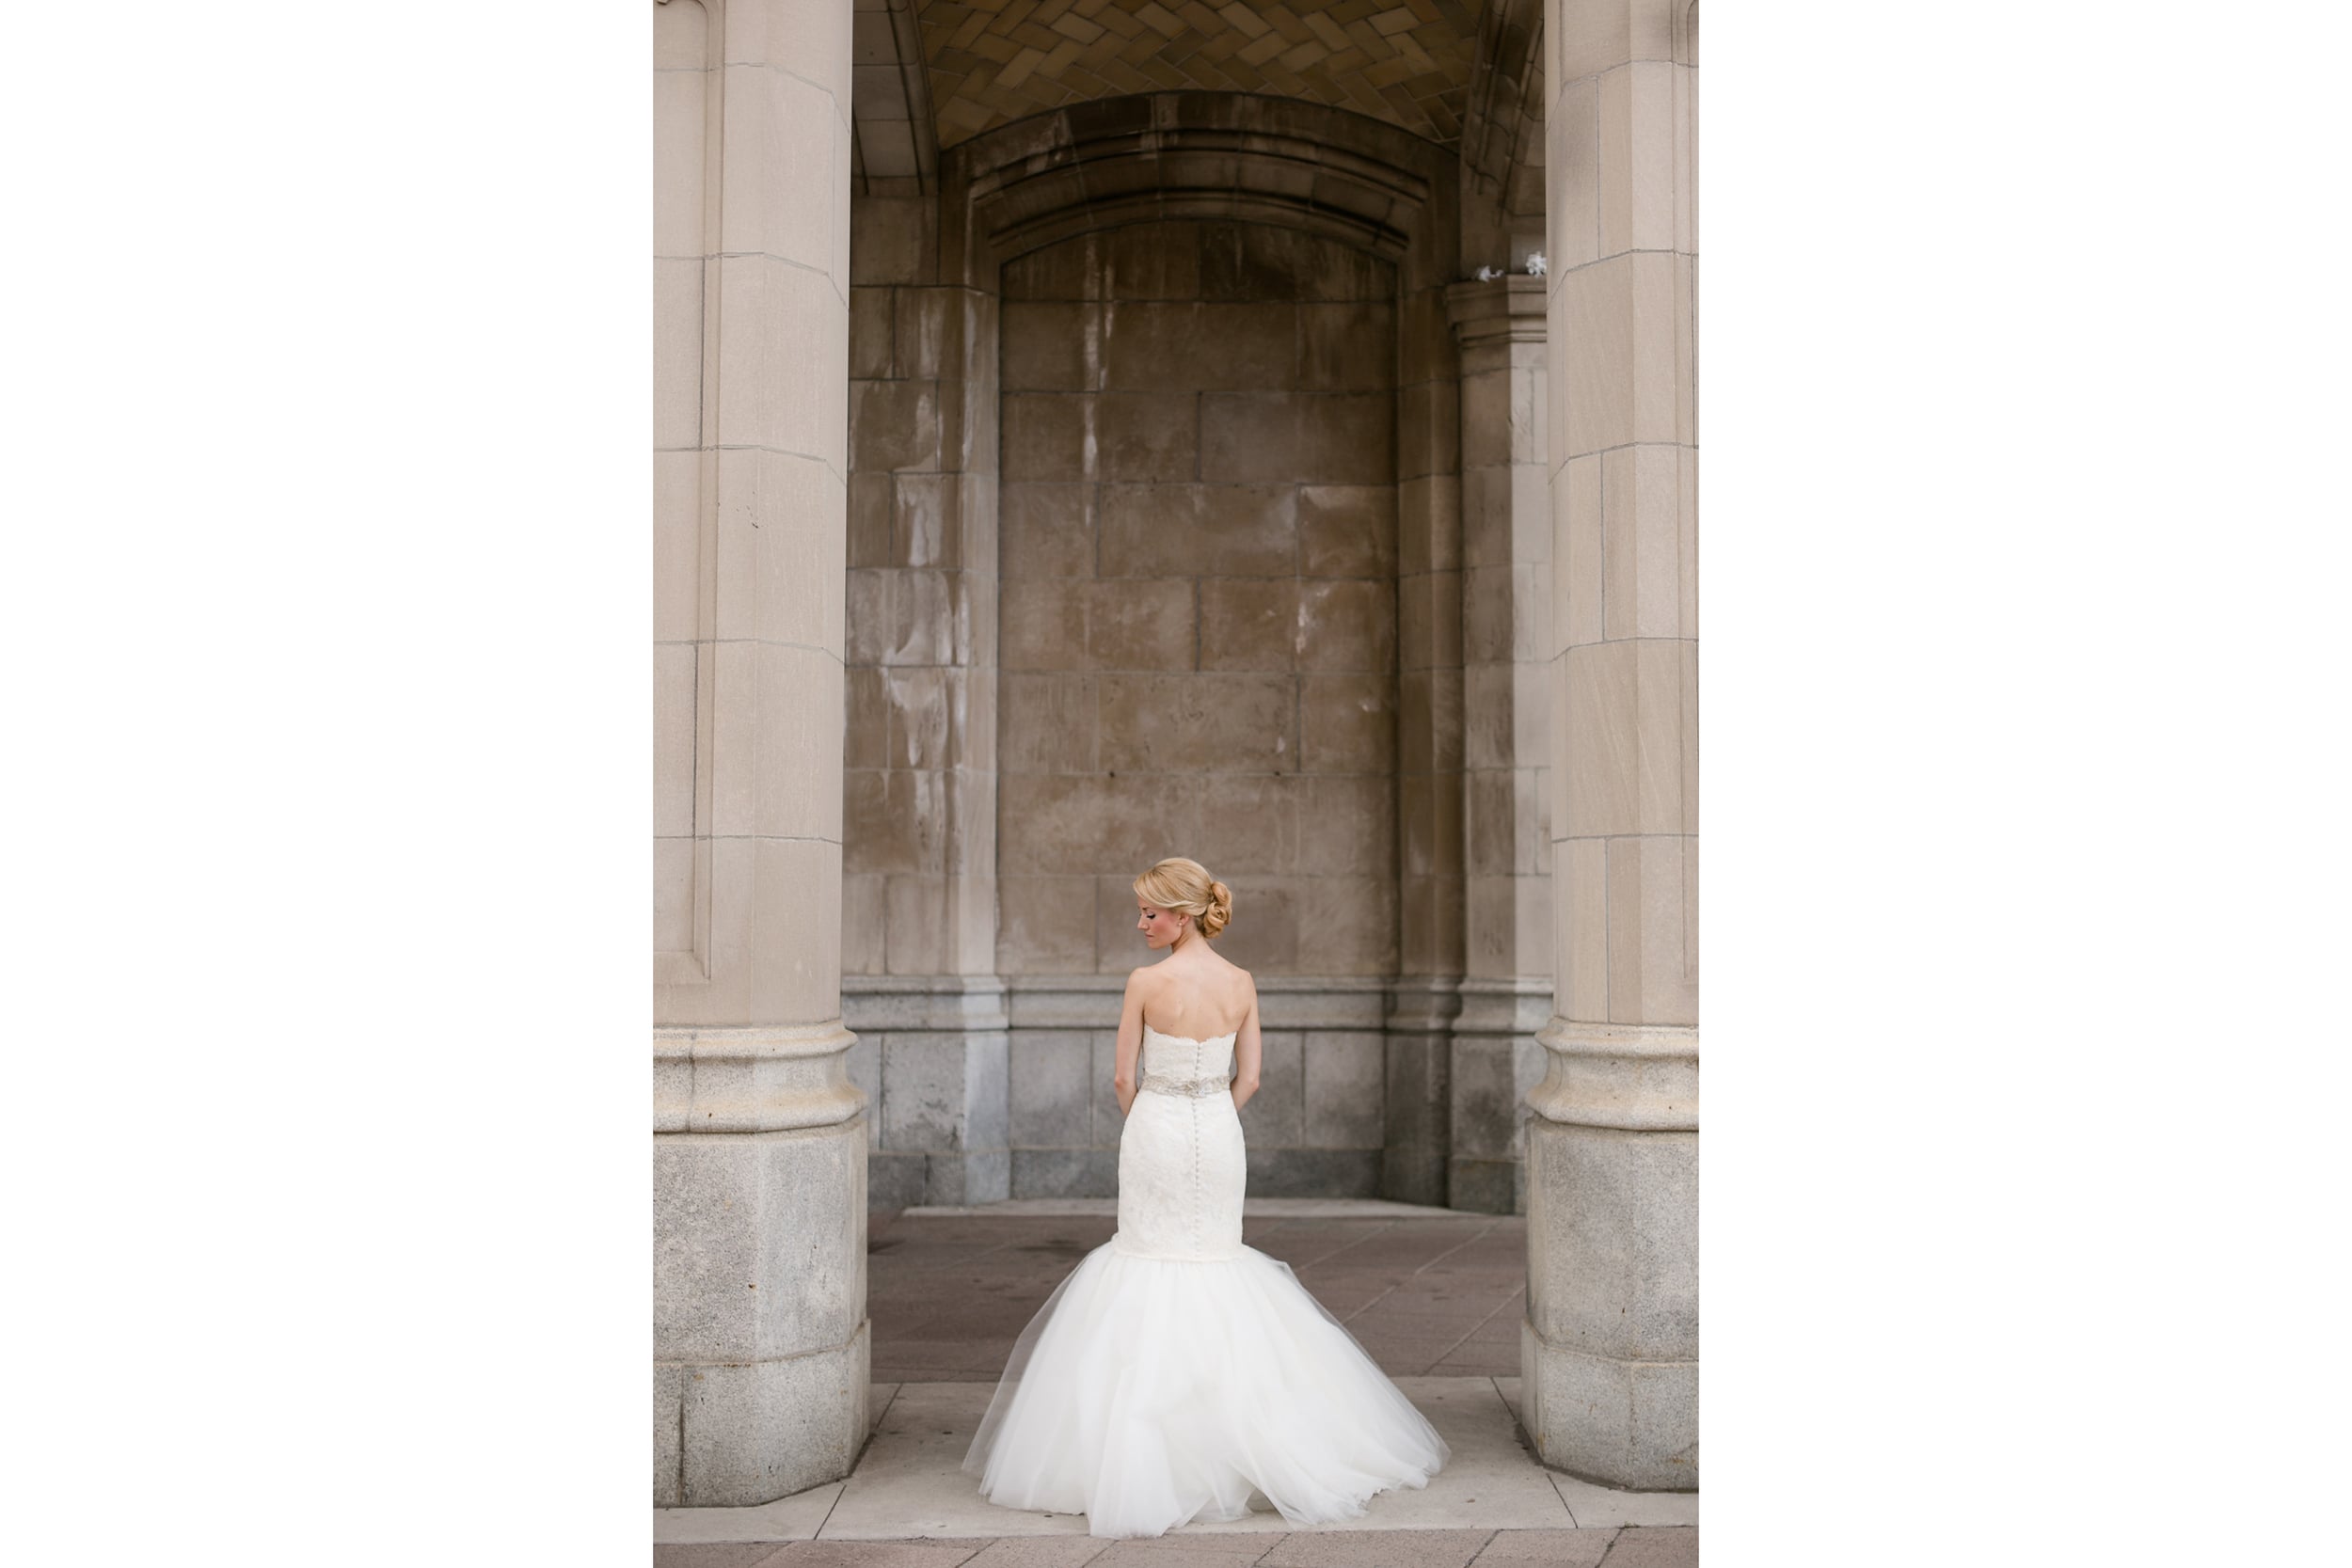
(1187, 887)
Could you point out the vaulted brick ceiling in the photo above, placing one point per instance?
(1404, 61)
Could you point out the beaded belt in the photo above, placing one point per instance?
(1198, 1089)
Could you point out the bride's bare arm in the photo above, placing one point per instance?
(1246, 1054)
(1130, 1041)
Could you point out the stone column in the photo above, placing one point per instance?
(1506, 990)
(1609, 1350)
(760, 1342)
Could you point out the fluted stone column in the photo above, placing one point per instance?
(760, 1342)
(1506, 992)
(1609, 1350)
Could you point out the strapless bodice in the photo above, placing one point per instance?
(1181, 1163)
(1175, 1059)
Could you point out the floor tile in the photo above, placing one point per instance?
(1546, 1548)
(877, 1553)
(1041, 1551)
(1598, 1507)
(716, 1554)
(1654, 1548)
(1186, 1552)
(1418, 1548)
(792, 1518)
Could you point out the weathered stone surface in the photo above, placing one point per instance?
(1051, 1101)
(1159, 724)
(1485, 1100)
(1347, 924)
(1141, 437)
(1265, 939)
(1045, 436)
(1347, 531)
(1314, 1172)
(1249, 623)
(1630, 1423)
(1048, 531)
(1044, 624)
(1197, 347)
(925, 1081)
(1482, 1186)
(1347, 625)
(1046, 924)
(896, 1181)
(1349, 821)
(1141, 623)
(1072, 824)
(1345, 1087)
(1065, 1172)
(1613, 1240)
(1317, 438)
(1348, 723)
(1186, 529)
(1250, 819)
(1275, 1116)
(758, 1243)
(751, 1432)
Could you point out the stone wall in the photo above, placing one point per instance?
(1158, 545)
(1199, 563)
(1198, 657)
(918, 927)
(1313, 1128)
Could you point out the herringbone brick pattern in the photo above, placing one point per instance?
(1404, 61)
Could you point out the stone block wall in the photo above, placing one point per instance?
(1314, 1127)
(918, 919)
(1158, 518)
(1199, 562)
(1199, 514)
(918, 791)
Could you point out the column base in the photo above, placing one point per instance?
(1623, 1424)
(759, 1263)
(735, 1435)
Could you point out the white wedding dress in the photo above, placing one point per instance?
(1176, 1373)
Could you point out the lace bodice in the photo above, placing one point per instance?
(1181, 1161)
(1173, 1064)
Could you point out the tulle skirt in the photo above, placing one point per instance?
(1150, 1392)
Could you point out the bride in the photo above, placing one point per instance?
(1176, 1373)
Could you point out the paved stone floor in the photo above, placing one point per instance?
(1632, 1546)
(1425, 1290)
(1435, 1297)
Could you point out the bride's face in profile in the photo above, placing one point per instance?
(1160, 927)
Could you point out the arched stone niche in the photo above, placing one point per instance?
(1209, 603)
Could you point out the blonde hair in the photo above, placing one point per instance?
(1186, 888)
